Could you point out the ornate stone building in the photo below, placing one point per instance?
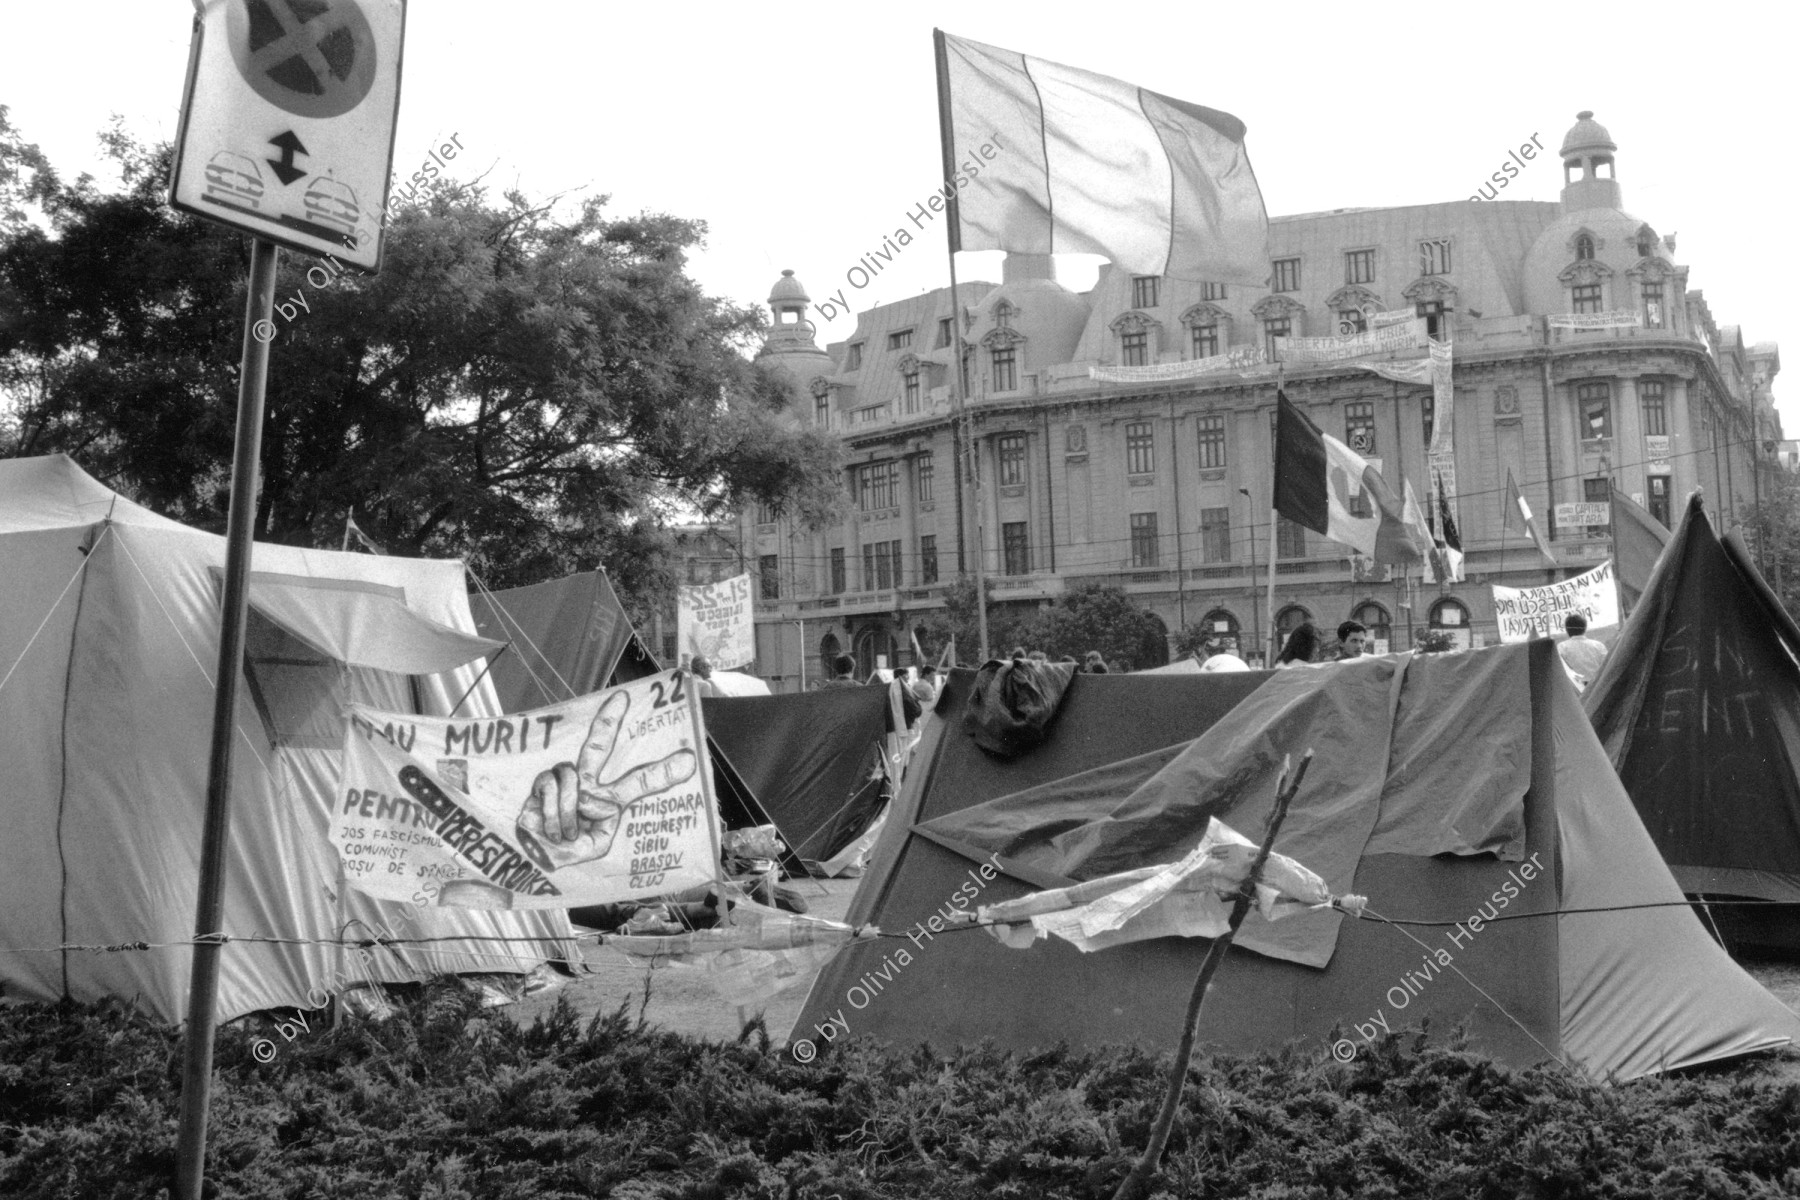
(1162, 485)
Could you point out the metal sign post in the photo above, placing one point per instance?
(203, 989)
(287, 134)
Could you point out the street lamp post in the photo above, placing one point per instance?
(1255, 613)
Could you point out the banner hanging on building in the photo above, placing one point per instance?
(1526, 613)
(716, 621)
(1597, 320)
(597, 800)
(1237, 359)
(1402, 336)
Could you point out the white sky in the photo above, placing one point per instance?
(803, 133)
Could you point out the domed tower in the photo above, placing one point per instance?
(790, 345)
(1587, 154)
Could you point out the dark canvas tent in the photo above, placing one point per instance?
(1698, 707)
(1437, 778)
(567, 637)
(808, 761)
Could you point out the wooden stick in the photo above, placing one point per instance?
(1137, 1183)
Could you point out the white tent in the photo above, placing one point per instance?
(107, 649)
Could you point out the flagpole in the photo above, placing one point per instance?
(958, 402)
(1274, 633)
(345, 548)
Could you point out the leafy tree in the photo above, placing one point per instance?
(1095, 616)
(1772, 533)
(1433, 641)
(533, 390)
(959, 620)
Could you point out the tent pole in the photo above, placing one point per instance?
(203, 986)
(1137, 1182)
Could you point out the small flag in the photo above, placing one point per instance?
(353, 530)
(1638, 541)
(1447, 557)
(1048, 159)
(1516, 507)
(1319, 481)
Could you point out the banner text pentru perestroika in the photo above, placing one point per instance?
(593, 801)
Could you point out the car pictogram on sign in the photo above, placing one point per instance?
(232, 180)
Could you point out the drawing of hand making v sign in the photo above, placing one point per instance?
(573, 812)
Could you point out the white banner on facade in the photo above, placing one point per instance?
(596, 800)
(1583, 512)
(1393, 316)
(1526, 613)
(1612, 319)
(1236, 359)
(716, 621)
(1351, 345)
(1656, 449)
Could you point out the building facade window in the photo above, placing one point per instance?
(1015, 541)
(945, 333)
(1434, 257)
(1140, 448)
(1586, 297)
(1273, 328)
(878, 486)
(1290, 539)
(1134, 349)
(853, 356)
(1584, 248)
(1215, 535)
(1286, 275)
(1006, 369)
(1359, 266)
(881, 566)
(839, 582)
(1143, 540)
(1451, 616)
(1375, 619)
(911, 398)
(1290, 619)
(1143, 291)
(768, 573)
(1428, 413)
(1212, 291)
(766, 514)
(1212, 441)
(1595, 403)
(1654, 317)
(928, 558)
(1433, 312)
(924, 472)
(1597, 491)
(1658, 496)
(900, 339)
(1655, 406)
(1359, 427)
(1010, 449)
(1351, 320)
(1206, 341)
(822, 411)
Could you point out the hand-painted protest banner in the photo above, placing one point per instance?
(593, 801)
(1526, 613)
(1401, 336)
(716, 621)
(1596, 320)
(1238, 358)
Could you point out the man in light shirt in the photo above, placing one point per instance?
(1582, 654)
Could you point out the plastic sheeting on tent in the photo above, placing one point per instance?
(809, 760)
(1698, 706)
(565, 637)
(1435, 778)
(109, 644)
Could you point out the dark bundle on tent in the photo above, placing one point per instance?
(1698, 707)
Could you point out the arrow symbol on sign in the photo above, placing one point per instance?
(289, 145)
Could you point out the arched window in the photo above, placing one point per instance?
(1451, 616)
(1584, 247)
(1290, 619)
(1222, 624)
(1374, 618)
(874, 648)
(829, 649)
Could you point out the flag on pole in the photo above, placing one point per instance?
(1329, 488)
(1447, 555)
(1516, 507)
(353, 530)
(1638, 541)
(1048, 159)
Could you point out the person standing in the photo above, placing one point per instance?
(1301, 649)
(1583, 655)
(845, 667)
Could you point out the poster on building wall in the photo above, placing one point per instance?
(1401, 336)
(717, 621)
(1597, 320)
(597, 800)
(1526, 613)
(1656, 451)
(1237, 359)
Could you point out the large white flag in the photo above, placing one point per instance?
(1080, 163)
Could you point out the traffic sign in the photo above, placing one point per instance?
(287, 123)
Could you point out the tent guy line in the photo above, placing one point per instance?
(51, 612)
(862, 932)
